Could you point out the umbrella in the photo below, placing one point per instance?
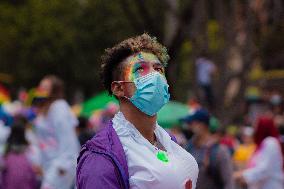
(171, 113)
(97, 102)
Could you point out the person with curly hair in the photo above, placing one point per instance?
(133, 151)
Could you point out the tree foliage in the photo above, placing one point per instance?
(67, 38)
(59, 37)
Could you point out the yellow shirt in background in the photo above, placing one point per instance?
(243, 153)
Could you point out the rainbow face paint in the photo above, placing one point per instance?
(141, 64)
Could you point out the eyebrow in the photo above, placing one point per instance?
(155, 63)
(159, 64)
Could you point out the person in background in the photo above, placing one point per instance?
(83, 131)
(214, 161)
(5, 122)
(5, 117)
(55, 128)
(205, 69)
(18, 170)
(1, 170)
(245, 150)
(178, 134)
(34, 151)
(277, 110)
(229, 138)
(216, 130)
(265, 168)
(4, 134)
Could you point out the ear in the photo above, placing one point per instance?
(117, 89)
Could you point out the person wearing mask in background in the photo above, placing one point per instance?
(277, 111)
(229, 138)
(55, 129)
(245, 150)
(133, 151)
(265, 168)
(214, 161)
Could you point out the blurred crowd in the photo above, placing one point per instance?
(40, 141)
(245, 156)
(41, 136)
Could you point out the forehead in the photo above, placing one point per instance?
(142, 57)
(140, 60)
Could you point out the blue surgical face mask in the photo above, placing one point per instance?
(151, 93)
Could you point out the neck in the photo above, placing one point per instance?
(143, 123)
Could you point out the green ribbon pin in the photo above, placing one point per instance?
(161, 155)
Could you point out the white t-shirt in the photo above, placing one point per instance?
(145, 169)
(266, 167)
(58, 144)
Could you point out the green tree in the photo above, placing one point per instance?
(67, 38)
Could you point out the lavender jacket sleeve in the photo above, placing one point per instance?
(96, 171)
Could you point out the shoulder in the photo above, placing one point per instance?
(60, 110)
(270, 142)
(60, 104)
(96, 171)
(91, 163)
(101, 162)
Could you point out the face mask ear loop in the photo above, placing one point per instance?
(126, 98)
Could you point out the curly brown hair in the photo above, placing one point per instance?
(111, 68)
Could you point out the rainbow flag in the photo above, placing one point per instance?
(4, 95)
